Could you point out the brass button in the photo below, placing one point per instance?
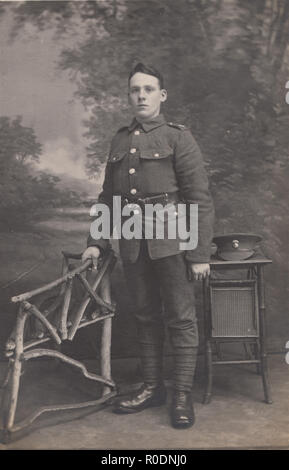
(132, 150)
(136, 212)
(156, 154)
(133, 191)
(136, 132)
(131, 171)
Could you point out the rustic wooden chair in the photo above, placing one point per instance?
(53, 320)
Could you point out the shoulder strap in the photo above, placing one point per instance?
(181, 127)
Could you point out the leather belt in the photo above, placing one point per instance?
(163, 198)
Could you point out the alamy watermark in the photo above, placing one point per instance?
(149, 221)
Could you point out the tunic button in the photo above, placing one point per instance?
(132, 150)
(136, 211)
(136, 132)
(157, 154)
(133, 191)
(131, 171)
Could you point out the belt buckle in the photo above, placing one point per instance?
(132, 206)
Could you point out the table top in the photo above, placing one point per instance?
(257, 259)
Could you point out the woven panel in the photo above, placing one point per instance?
(234, 311)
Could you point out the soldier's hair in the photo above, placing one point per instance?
(149, 70)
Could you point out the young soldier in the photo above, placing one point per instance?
(153, 161)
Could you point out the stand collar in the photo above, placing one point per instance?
(149, 125)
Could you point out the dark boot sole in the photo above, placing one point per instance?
(182, 425)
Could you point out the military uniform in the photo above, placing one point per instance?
(152, 162)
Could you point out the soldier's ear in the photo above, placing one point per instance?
(164, 95)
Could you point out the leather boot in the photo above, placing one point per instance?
(147, 396)
(182, 411)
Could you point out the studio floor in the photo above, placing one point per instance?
(236, 418)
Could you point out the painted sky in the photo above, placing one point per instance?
(31, 85)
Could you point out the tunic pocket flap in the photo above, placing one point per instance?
(153, 154)
(116, 156)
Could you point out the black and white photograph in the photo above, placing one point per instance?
(144, 229)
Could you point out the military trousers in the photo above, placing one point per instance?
(163, 295)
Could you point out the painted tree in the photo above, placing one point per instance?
(18, 146)
(23, 190)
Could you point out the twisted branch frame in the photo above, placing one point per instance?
(18, 351)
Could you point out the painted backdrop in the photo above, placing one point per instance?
(63, 94)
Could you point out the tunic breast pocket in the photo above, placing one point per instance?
(157, 167)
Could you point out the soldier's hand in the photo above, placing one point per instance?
(200, 271)
(92, 252)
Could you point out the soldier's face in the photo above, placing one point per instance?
(145, 96)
